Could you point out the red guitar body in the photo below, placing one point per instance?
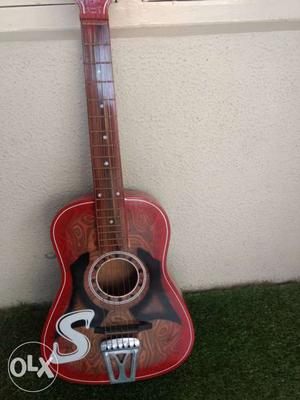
(169, 341)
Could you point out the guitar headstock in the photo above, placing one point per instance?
(94, 9)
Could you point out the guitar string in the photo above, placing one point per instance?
(121, 217)
(100, 177)
(86, 29)
(100, 96)
(107, 125)
(114, 115)
(105, 234)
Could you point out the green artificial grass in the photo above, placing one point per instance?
(247, 347)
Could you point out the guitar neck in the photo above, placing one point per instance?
(103, 132)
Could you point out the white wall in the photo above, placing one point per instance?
(209, 124)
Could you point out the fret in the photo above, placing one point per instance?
(114, 246)
(98, 190)
(100, 187)
(100, 153)
(113, 181)
(100, 209)
(97, 63)
(118, 244)
(113, 235)
(109, 217)
(104, 238)
(118, 237)
(100, 116)
(108, 188)
(92, 58)
(100, 126)
(99, 112)
(104, 179)
(115, 210)
(105, 209)
(113, 217)
(98, 100)
(96, 44)
(100, 83)
(114, 239)
(111, 240)
(108, 198)
(116, 230)
(106, 216)
(102, 214)
(105, 198)
(111, 231)
(112, 178)
(103, 139)
(104, 173)
(96, 143)
(111, 245)
(104, 157)
(110, 226)
(98, 183)
(99, 80)
(96, 140)
(108, 168)
(114, 185)
(98, 146)
(101, 131)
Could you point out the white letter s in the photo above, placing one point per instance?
(64, 328)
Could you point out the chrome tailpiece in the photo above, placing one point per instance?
(116, 353)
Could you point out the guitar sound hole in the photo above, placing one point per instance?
(117, 277)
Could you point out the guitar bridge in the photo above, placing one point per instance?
(120, 354)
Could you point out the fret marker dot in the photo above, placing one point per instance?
(106, 163)
(111, 221)
(118, 194)
(101, 105)
(99, 195)
(104, 137)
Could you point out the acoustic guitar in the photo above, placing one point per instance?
(118, 317)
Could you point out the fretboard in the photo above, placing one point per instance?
(104, 140)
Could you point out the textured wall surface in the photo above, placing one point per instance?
(209, 125)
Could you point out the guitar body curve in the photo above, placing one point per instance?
(168, 338)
